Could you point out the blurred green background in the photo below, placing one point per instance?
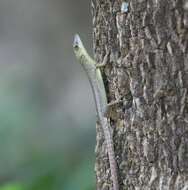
(47, 115)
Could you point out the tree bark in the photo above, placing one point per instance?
(148, 69)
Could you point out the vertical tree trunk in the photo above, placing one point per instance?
(148, 68)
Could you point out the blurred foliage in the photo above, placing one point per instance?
(12, 186)
(32, 152)
(42, 145)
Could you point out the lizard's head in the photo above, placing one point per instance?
(80, 52)
(78, 46)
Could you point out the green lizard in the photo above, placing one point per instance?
(95, 78)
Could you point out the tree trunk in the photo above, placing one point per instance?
(148, 69)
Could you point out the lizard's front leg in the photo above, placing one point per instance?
(104, 62)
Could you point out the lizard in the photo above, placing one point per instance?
(96, 81)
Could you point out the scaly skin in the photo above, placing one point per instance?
(97, 84)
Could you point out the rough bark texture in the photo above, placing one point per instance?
(148, 68)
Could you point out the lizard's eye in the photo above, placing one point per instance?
(76, 48)
(75, 45)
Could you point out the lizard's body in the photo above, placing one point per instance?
(96, 81)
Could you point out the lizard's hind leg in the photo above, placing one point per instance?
(111, 105)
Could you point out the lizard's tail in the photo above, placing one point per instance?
(111, 155)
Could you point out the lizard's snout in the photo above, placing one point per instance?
(77, 41)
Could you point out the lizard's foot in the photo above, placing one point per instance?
(105, 61)
(114, 102)
(99, 65)
(111, 105)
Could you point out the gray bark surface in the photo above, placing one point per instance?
(148, 68)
